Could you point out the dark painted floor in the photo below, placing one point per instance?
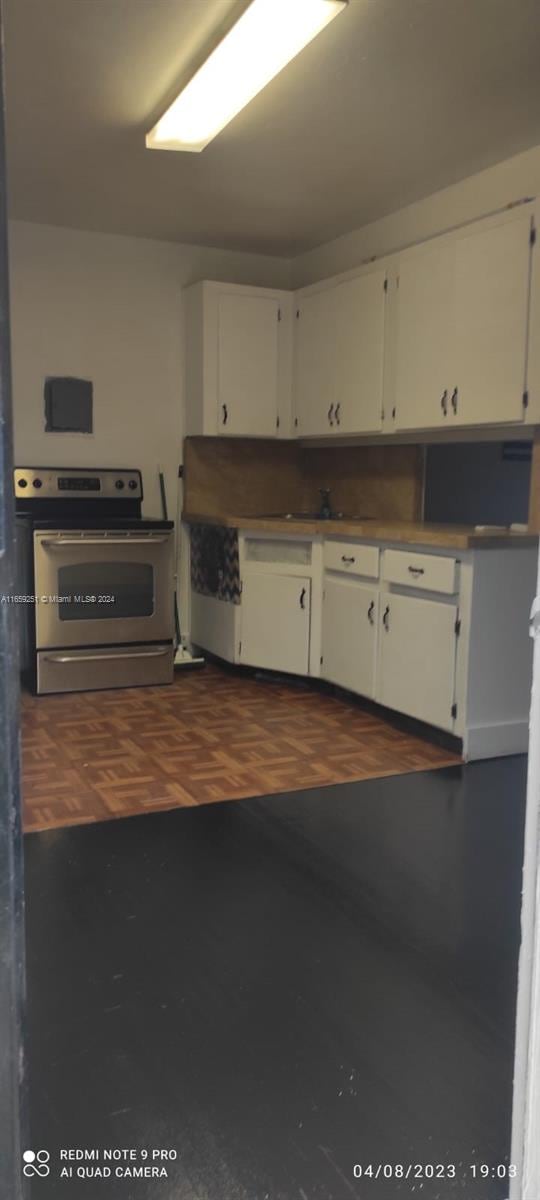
(278, 989)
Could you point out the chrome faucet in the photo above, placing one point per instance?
(325, 510)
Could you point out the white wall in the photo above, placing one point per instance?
(514, 179)
(108, 308)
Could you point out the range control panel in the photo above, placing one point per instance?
(62, 483)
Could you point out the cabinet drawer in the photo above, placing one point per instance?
(352, 558)
(431, 572)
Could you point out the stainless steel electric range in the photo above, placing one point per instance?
(96, 581)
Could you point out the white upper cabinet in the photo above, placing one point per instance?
(440, 336)
(462, 327)
(425, 301)
(339, 357)
(359, 353)
(315, 321)
(248, 364)
(238, 360)
(492, 271)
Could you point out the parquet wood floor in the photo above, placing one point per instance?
(213, 735)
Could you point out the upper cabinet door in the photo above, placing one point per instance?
(358, 353)
(425, 303)
(237, 354)
(248, 365)
(492, 311)
(314, 382)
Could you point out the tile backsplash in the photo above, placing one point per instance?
(242, 476)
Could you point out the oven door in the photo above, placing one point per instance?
(100, 588)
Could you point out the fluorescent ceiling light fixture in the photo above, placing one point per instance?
(265, 38)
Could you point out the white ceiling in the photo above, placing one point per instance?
(395, 99)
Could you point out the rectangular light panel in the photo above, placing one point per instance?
(266, 37)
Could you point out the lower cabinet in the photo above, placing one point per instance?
(417, 657)
(436, 636)
(349, 640)
(275, 622)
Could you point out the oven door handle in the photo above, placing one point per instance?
(151, 540)
(76, 658)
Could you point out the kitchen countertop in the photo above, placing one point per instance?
(454, 537)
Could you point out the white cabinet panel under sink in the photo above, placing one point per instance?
(275, 622)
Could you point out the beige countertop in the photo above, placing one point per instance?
(454, 537)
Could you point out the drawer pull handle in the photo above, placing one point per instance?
(386, 615)
(454, 400)
(417, 570)
(331, 414)
(303, 598)
(444, 402)
(225, 412)
(370, 612)
(338, 406)
(346, 559)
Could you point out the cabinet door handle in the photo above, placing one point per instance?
(386, 615)
(370, 612)
(303, 598)
(338, 406)
(416, 570)
(348, 560)
(454, 400)
(225, 412)
(444, 402)
(330, 414)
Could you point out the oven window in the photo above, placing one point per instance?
(95, 591)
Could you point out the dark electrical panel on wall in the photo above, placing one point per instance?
(68, 405)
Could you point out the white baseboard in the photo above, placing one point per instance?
(496, 741)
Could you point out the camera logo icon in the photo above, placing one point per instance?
(36, 1163)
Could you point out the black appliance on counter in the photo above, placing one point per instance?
(96, 580)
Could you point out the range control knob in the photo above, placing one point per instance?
(119, 484)
(132, 484)
(37, 483)
(22, 483)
